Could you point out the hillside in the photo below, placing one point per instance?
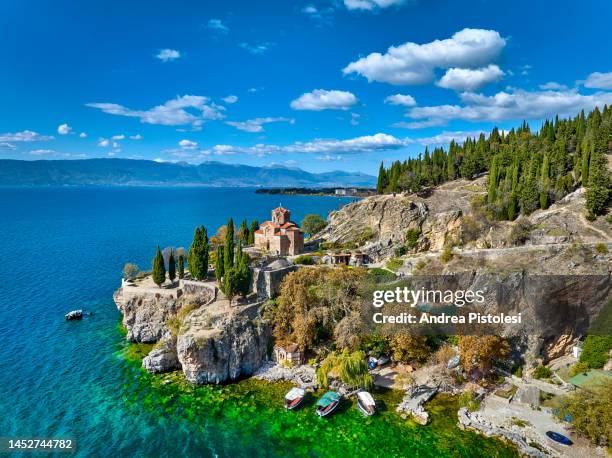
(128, 172)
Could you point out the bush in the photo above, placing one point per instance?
(304, 260)
(412, 237)
(381, 275)
(313, 223)
(468, 399)
(420, 264)
(447, 254)
(130, 271)
(542, 372)
(520, 231)
(601, 248)
(595, 351)
(578, 368)
(394, 264)
(399, 251)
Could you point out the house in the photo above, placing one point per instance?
(289, 353)
(280, 236)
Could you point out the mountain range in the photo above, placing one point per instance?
(130, 172)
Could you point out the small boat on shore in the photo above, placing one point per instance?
(294, 398)
(560, 438)
(366, 403)
(74, 315)
(328, 403)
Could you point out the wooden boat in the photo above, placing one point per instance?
(560, 438)
(366, 403)
(294, 398)
(328, 403)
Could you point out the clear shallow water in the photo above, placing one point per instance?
(64, 248)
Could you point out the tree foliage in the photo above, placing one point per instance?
(181, 266)
(198, 254)
(527, 170)
(130, 271)
(159, 269)
(407, 348)
(313, 223)
(479, 352)
(596, 351)
(350, 368)
(171, 267)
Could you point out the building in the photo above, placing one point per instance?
(289, 353)
(280, 236)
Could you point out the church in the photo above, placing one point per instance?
(280, 236)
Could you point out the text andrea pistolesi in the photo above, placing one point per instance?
(432, 307)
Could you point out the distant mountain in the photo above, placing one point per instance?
(129, 172)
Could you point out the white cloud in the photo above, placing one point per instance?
(174, 112)
(525, 69)
(553, 86)
(64, 129)
(256, 48)
(321, 99)
(369, 5)
(355, 119)
(43, 152)
(401, 99)
(514, 105)
(230, 99)
(419, 124)
(118, 137)
(465, 79)
(252, 89)
(597, 80)
(188, 144)
(136, 137)
(413, 63)
(444, 138)
(256, 125)
(116, 145)
(7, 146)
(24, 136)
(217, 25)
(82, 135)
(103, 142)
(328, 158)
(166, 55)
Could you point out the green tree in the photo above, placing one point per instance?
(545, 183)
(228, 250)
(350, 368)
(219, 263)
(313, 223)
(198, 254)
(181, 266)
(383, 181)
(171, 266)
(130, 271)
(598, 191)
(243, 233)
(254, 226)
(159, 269)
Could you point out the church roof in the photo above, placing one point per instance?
(281, 209)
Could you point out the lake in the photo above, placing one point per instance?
(64, 248)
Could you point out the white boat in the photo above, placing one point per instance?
(294, 398)
(366, 403)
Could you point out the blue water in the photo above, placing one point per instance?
(64, 248)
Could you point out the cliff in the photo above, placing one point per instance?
(194, 329)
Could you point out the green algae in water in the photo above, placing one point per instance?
(248, 419)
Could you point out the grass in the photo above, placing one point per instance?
(519, 422)
(601, 248)
(506, 394)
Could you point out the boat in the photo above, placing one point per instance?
(294, 398)
(366, 403)
(74, 315)
(560, 438)
(328, 403)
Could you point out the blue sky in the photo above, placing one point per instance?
(321, 85)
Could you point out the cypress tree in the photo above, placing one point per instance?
(219, 263)
(545, 183)
(204, 252)
(181, 266)
(228, 250)
(193, 257)
(243, 232)
(253, 228)
(598, 192)
(159, 269)
(382, 183)
(171, 266)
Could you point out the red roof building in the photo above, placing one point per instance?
(280, 235)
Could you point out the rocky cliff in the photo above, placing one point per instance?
(195, 330)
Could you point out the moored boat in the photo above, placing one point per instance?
(560, 438)
(294, 398)
(328, 403)
(366, 403)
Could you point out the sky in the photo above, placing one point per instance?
(320, 85)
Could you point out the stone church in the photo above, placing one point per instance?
(280, 236)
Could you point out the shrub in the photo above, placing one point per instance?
(365, 235)
(520, 231)
(381, 275)
(399, 251)
(601, 248)
(447, 254)
(595, 351)
(468, 399)
(420, 264)
(304, 260)
(130, 271)
(578, 368)
(412, 237)
(542, 372)
(313, 223)
(394, 264)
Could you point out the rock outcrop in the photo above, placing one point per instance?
(162, 358)
(232, 347)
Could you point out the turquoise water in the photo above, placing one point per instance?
(64, 248)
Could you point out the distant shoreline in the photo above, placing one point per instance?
(335, 192)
